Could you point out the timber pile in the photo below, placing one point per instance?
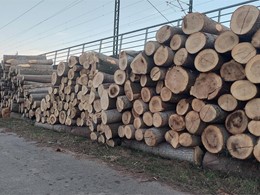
(24, 82)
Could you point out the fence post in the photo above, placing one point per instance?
(68, 54)
(83, 48)
(121, 42)
(219, 15)
(100, 46)
(145, 36)
(55, 58)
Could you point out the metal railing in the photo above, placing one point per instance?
(136, 39)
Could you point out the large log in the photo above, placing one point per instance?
(110, 116)
(197, 22)
(142, 64)
(252, 109)
(165, 33)
(183, 58)
(154, 136)
(252, 69)
(227, 102)
(208, 60)
(232, 71)
(245, 20)
(236, 122)
(211, 113)
(179, 80)
(226, 41)
(214, 138)
(207, 86)
(194, 125)
(244, 90)
(243, 52)
(178, 41)
(198, 41)
(37, 78)
(163, 56)
(241, 146)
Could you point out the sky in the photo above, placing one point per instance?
(33, 27)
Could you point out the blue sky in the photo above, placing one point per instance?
(54, 24)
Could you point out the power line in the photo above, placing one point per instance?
(18, 17)
(157, 10)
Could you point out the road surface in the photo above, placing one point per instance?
(28, 169)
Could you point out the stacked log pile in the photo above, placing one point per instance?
(24, 82)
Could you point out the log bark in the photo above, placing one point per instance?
(113, 142)
(103, 63)
(197, 22)
(252, 70)
(256, 39)
(194, 125)
(179, 80)
(157, 105)
(101, 78)
(147, 93)
(214, 138)
(199, 41)
(178, 41)
(207, 86)
(123, 103)
(132, 90)
(227, 102)
(106, 102)
(125, 59)
(243, 52)
(142, 64)
(254, 128)
(154, 136)
(37, 78)
(208, 60)
(111, 130)
(110, 116)
(236, 122)
(188, 140)
(226, 41)
(177, 122)
(244, 90)
(165, 33)
(232, 71)
(183, 58)
(34, 70)
(252, 109)
(163, 56)
(211, 113)
(151, 47)
(241, 146)
(160, 119)
(245, 20)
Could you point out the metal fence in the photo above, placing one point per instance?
(136, 39)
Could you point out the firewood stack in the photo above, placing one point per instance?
(198, 86)
(24, 82)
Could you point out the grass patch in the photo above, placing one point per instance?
(184, 176)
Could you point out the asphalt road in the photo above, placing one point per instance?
(28, 169)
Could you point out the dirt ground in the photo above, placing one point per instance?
(177, 174)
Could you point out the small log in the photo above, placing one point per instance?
(123, 103)
(106, 102)
(97, 105)
(188, 140)
(232, 71)
(139, 134)
(94, 136)
(256, 39)
(159, 86)
(194, 125)
(101, 78)
(62, 69)
(183, 58)
(256, 151)
(241, 146)
(178, 41)
(254, 128)
(148, 118)
(208, 60)
(176, 122)
(243, 52)
(43, 62)
(252, 109)
(113, 142)
(167, 96)
(140, 106)
(227, 102)
(183, 106)
(121, 131)
(244, 90)
(160, 119)
(245, 20)
(110, 116)
(158, 73)
(198, 41)
(163, 56)
(172, 137)
(154, 136)
(211, 113)
(142, 64)
(179, 80)
(147, 93)
(207, 86)
(125, 58)
(165, 33)
(236, 122)
(111, 130)
(103, 87)
(146, 81)
(151, 47)
(127, 118)
(214, 138)
(132, 90)
(120, 77)
(129, 132)
(226, 41)
(73, 60)
(252, 70)
(115, 90)
(139, 123)
(37, 78)
(103, 63)
(157, 105)
(198, 22)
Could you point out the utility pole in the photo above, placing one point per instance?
(116, 27)
(190, 6)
